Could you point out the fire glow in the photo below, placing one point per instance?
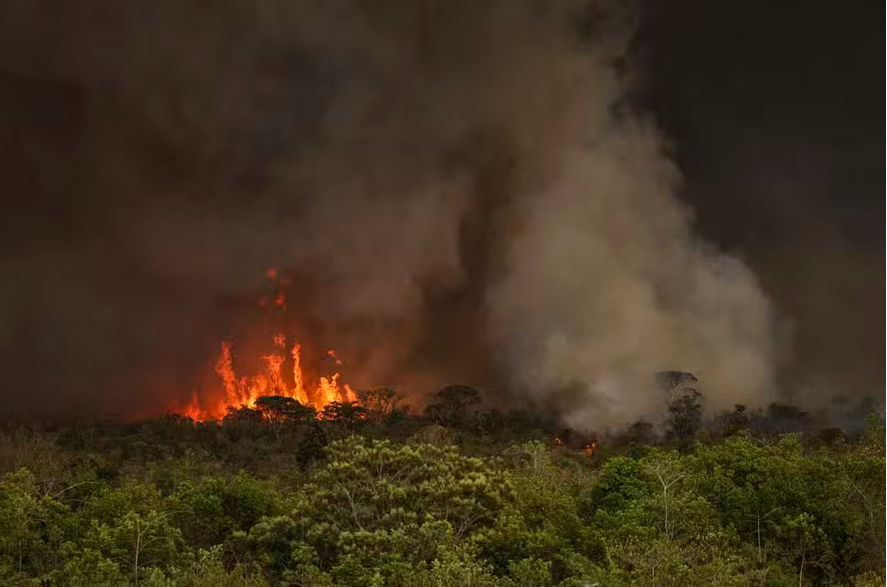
(237, 391)
(281, 374)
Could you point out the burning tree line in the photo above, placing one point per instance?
(245, 391)
(458, 409)
(281, 374)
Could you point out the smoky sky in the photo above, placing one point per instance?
(548, 201)
(773, 111)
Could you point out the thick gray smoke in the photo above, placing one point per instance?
(605, 285)
(454, 185)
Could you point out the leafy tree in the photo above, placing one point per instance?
(311, 446)
(621, 481)
(542, 521)
(873, 438)
(864, 467)
(660, 561)
(30, 526)
(206, 569)
(212, 509)
(685, 416)
(684, 403)
(530, 572)
(534, 456)
(451, 405)
(639, 433)
(735, 421)
(133, 526)
(486, 423)
(785, 418)
(745, 485)
(275, 544)
(348, 415)
(675, 384)
(804, 541)
(379, 403)
(242, 417)
(457, 566)
(371, 499)
(160, 504)
(668, 471)
(799, 509)
(434, 434)
(278, 410)
(371, 485)
(868, 579)
(84, 567)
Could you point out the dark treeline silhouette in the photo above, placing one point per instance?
(457, 412)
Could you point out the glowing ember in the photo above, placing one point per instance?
(244, 391)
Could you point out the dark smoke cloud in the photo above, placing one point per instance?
(771, 109)
(459, 189)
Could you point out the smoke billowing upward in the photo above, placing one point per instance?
(459, 190)
(773, 129)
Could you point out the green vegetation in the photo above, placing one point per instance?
(371, 495)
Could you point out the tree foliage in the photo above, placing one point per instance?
(451, 405)
(276, 496)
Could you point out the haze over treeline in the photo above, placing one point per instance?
(508, 194)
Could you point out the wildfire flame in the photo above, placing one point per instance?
(298, 389)
(237, 391)
(245, 390)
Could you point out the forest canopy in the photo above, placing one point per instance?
(370, 494)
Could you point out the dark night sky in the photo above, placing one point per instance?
(771, 111)
(775, 110)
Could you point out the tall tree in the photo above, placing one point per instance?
(278, 411)
(451, 405)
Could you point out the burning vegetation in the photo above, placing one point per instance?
(237, 391)
(280, 374)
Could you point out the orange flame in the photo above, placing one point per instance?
(192, 410)
(226, 372)
(349, 394)
(298, 390)
(329, 389)
(244, 391)
(278, 387)
(212, 403)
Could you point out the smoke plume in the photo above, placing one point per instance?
(458, 189)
